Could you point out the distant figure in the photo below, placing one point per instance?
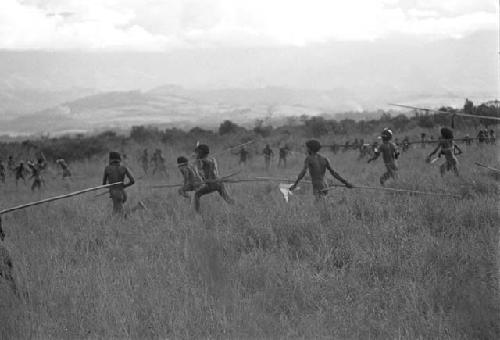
(65, 168)
(493, 139)
(422, 140)
(159, 163)
(406, 144)
(192, 181)
(346, 146)
(11, 165)
(268, 154)
(355, 145)
(334, 148)
(481, 136)
(468, 140)
(115, 173)
(36, 173)
(243, 153)
(390, 154)
(19, 172)
(2, 171)
(283, 153)
(207, 170)
(448, 147)
(144, 159)
(317, 165)
(364, 150)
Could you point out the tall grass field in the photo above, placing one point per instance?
(363, 264)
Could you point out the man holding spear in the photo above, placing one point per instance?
(207, 170)
(317, 166)
(116, 173)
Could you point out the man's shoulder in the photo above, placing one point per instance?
(321, 157)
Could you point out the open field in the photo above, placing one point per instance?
(365, 264)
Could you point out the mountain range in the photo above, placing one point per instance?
(55, 92)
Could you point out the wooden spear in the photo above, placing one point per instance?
(221, 179)
(393, 190)
(55, 198)
(487, 167)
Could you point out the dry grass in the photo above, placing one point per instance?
(363, 265)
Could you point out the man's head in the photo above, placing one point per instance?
(446, 133)
(386, 135)
(114, 157)
(202, 150)
(313, 146)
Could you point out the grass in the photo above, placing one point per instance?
(365, 264)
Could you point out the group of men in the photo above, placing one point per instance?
(284, 152)
(21, 170)
(487, 137)
(202, 175)
(157, 160)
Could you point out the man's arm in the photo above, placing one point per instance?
(105, 177)
(428, 159)
(301, 174)
(376, 154)
(196, 169)
(434, 151)
(131, 179)
(216, 168)
(456, 147)
(337, 176)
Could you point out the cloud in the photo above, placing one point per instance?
(162, 24)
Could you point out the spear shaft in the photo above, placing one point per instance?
(487, 167)
(55, 198)
(392, 190)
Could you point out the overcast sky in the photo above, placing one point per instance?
(160, 25)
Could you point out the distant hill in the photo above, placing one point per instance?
(78, 90)
(18, 101)
(174, 105)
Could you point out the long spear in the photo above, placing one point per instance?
(232, 147)
(487, 167)
(55, 198)
(221, 179)
(393, 190)
(445, 112)
(277, 179)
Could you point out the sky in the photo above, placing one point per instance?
(163, 25)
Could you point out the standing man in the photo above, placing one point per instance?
(243, 153)
(206, 168)
(19, 172)
(317, 165)
(36, 173)
(390, 154)
(11, 165)
(159, 163)
(144, 159)
(115, 173)
(283, 156)
(65, 168)
(268, 154)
